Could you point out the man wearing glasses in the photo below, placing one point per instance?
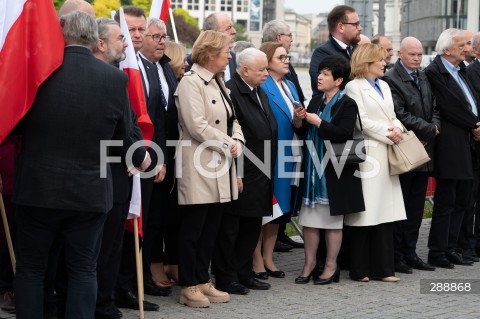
(344, 27)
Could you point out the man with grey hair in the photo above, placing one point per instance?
(457, 103)
(220, 22)
(153, 50)
(59, 191)
(76, 5)
(239, 46)
(242, 222)
(111, 43)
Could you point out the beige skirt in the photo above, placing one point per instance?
(319, 217)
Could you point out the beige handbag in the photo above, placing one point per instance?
(407, 155)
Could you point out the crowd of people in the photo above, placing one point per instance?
(231, 137)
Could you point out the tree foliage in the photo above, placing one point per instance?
(187, 33)
(104, 7)
(241, 35)
(144, 4)
(188, 18)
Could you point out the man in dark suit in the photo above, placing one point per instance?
(126, 297)
(111, 50)
(242, 221)
(153, 50)
(469, 240)
(222, 23)
(59, 188)
(344, 27)
(457, 104)
(415, 108)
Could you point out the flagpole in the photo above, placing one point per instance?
(138, 260)
(174, 29)
(7, 234)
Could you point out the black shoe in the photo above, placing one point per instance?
(306, 280)
(276, 273)
(470, 255)
(255, 284)
(129, 299)
(153, 290)
(234, 288)
(441, 263)
(402, 267)
(419, 264)
(281, 247)
(263, 275)
(282, 237)
(457, 259)
(108, 312)
(335, 278)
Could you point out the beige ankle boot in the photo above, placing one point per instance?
(193, 297)
(214, 295)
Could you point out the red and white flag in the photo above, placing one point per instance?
(31, 48)
(159, 9)
(139, 105)
(276, 212)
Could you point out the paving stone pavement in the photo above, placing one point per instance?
(346, 299)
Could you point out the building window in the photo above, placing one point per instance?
(176, 4)
(242, 5)
(210, 5)
(193, 4)
(226, 5)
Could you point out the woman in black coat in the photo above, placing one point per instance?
(326, 196)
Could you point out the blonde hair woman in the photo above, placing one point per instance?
(178, 58)
(371, 243)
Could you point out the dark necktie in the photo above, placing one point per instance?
(349, 51)
(415, 79)
(164, 100)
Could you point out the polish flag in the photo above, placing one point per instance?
(159, 9)
(31, 48)
(277, 212)
(139, 105)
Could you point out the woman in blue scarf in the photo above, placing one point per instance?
(326, 196)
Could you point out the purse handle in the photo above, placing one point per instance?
(359, 120)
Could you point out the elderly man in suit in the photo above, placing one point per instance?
(242, 221)
(126, 297)
(59, 189)
(415, 108)
(220, 22)
(344, 27)
(457, 103)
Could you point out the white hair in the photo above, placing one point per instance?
(445, 40)
(155, 21)
(247, 56)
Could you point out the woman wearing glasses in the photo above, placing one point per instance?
(282, 97)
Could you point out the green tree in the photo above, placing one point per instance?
(126, 2)
(241, 35)
(58, 4)
(188, 18)
(104, 7)
(144, 4)
(187, 33)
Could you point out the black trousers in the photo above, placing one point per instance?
(466, 237)
(37, 229)
(371, 251)
(127, 274)
(108, 263)
(236, 241)
(414, 185)
(6, 271)
(452, 198)
(198, 232)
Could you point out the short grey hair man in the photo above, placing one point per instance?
(79, 28)
(239, 46)
(446, 39)
(248, 56)
(273, 29)
(155, 21)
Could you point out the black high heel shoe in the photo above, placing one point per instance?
(306, 280)
(276, 273)
(335, 278)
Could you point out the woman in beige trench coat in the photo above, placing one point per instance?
(210, 139)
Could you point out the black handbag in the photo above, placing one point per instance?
(350, 151)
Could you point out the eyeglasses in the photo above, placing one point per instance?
(287, 35)
(158, 37)
(355, 24)
(284, 58)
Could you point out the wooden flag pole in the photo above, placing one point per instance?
(7, 234)
(174, 29)
(138, 259)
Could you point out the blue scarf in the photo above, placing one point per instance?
(315, 183)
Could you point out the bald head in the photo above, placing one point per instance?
(411, 52)
(76, 5)
(364, 39)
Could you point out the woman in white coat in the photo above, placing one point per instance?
(371, 231)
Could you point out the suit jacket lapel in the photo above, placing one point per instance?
(277, 97)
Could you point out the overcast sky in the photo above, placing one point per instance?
(312, 6)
